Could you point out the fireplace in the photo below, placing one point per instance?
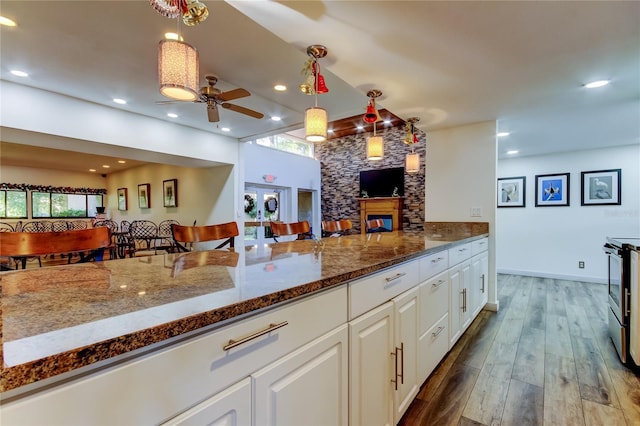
(387, 208)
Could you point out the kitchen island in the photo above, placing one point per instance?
(65, 323)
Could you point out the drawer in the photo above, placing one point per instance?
(433, 264)
(478, 246)
(156, 387)
(432, 347)
(459, 253)
(434, 300)
(367, 293)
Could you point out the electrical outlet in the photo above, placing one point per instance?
(581, 264)
(476, 211)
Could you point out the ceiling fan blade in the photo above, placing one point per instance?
(200, 100)
(212, 113)
(233, 94)
(242, 110)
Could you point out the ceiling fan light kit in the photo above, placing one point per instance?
(315, 118)
(178, 70)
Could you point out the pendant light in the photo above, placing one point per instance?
(315, 118)
(412, 160)
(375, 144)
(178, 70)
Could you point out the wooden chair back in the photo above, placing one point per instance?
(23, 244)
(375, 225)
(301, 229)
(184, 235)
(341, 226)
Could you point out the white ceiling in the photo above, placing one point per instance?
(449, 63)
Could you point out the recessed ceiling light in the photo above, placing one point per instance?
(7, 22)
(172, 115)
(503, 134)
(119, 101)
(19, 73)
(598, 83)
(359, 127)
(92, 170)
(121, 161)
(513, 151)
(225, 129)
(280, 88)
(105, 166)
(387, 122)
(276, 118)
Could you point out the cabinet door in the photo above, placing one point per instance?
(455, 304)
(231, 407)
(465, 292)
(370, 367)
(309, 386)
(484, 281)
(406, 351)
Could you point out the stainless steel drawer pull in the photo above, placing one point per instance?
(438, 331)
(438, 284)
(482, 277)
(233, 343)
(395, 277)
(401, 356)
(437, 260)
(462, 249)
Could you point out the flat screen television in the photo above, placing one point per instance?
(381, 182)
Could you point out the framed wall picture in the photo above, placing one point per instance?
(511, 191)
(123, 202)
(552, 190)
(170, 192)
(144, 195)
(601, 187)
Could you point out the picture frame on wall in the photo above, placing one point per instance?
(170, 192)
(123, 202)
(601, 187)
(144, 195)
(552, 190)
(512, 191)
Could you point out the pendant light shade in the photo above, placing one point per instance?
(375, 148)
(178, 70)
(412, 163)
(315, 124)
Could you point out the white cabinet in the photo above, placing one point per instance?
(634, 320)
(405, 356)
(433, 341)
(459, 314)
(231, 407)
(479, 285)
(371, 368)
(308, 386)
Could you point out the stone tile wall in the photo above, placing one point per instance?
(341, 161)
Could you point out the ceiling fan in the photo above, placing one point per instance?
(212, 96)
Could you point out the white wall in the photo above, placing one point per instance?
(461, 174)
(549, 241)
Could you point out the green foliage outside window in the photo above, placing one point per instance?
(13, 204)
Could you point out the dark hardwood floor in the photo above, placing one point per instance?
(544, 359)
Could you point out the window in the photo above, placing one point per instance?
(46, 204)
(13, 204)
(288, 143)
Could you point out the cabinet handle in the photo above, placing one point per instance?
(233, 343)
(395, 277)
(462, 249)
(396, 375)
(438, 284)
(482, 278)
(627, 299)
(437, 260)
(464, 299)
(437, 332)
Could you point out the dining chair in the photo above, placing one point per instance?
(60, 225)
(6, 227)
(165, 237)
(144, 234)
(185, 236)
(301, 229)
(112, 225)
(31, 227)
(336, 228)
(375, 225)
(78, 224)
(24, 245)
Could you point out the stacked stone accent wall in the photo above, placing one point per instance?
(341, 161)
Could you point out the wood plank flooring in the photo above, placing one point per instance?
(544, 359)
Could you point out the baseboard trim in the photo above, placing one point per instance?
(493, 307)
(598, 280)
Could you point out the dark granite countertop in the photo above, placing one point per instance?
(59, 319)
